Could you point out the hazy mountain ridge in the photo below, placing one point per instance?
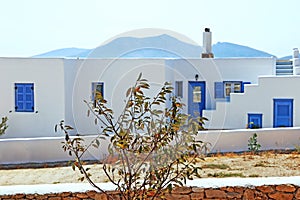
(226, 49)
(162, 46)
(156, 46)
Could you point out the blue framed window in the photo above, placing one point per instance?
(223, 89)
(254, 120)
(24, 97)
(97, 91)
(232, 87)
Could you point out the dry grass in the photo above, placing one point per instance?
(265, 164)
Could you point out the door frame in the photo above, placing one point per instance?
(288, 102)
(202, 105)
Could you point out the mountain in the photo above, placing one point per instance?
(286, 57)
(226, 49)
(161, 46)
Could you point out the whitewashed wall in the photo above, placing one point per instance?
(61, 86)
(47, 149)
(237, 140)
(48, 78)
(216, 70)
(116, 74)
(44, 149)
(256, 99)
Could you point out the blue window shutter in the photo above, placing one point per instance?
(254, 120)
(219, 90)
(243, 86)
(24, 97)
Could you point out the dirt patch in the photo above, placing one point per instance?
(266, 164)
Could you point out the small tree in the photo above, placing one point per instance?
(3, 125)
(156, 146)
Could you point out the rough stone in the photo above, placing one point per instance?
(230, 189)
(182, 190)
(248, 195)
(197, 193)
(265, 188)
(91, 193)
(285, 188)
(5, 196)
(197, 196)
(260, 195)
(31, 196)
(297, 195)
(54, 198)
(18, 196)
(239, 190)
(281, 195)
(53, 195)
(41, 196)
(210, 193)
(197, 190)
(233, 195)
(177, 197)
(65, 194)
(101, 196)
(223, 188)
(82, 195)
(265, 192)
(71, 198)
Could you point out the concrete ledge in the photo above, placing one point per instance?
(44, 149)
(237, 140)
(225, 188)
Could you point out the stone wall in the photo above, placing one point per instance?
(265, 192)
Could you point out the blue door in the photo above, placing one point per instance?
(196, 98)
(283, 112)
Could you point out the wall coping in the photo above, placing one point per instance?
(203, 183)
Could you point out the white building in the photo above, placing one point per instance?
(232, 93)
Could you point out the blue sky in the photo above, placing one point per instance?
(33, 26)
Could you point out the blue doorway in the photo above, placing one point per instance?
(196, 98)
(283, 113)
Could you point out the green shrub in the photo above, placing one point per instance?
(253, 144)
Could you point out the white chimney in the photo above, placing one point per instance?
(206, 47)
(296, 61)
(295, 53)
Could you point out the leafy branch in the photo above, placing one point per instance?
(155, 145)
